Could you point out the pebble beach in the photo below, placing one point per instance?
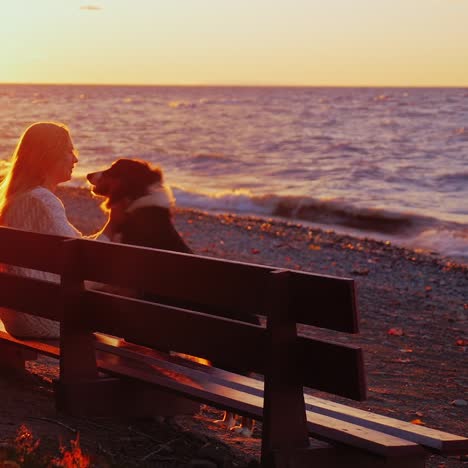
(413, 306)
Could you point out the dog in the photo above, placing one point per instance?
(139, 205)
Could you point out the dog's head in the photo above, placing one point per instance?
(126, 178)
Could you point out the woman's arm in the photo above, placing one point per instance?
(40, 211)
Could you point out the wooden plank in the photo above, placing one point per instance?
(318, 300)
(172, 328)
(47, 347)
(329, 377)
(437, 441)
(434, 440)
(324, 301)
(30, 249)
(335, 430)
(205, 390)
(332, 367)
(30, 295)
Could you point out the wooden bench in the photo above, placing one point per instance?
(133, 378)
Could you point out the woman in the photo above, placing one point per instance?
(44, 157)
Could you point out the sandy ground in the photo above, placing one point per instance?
(413, 309)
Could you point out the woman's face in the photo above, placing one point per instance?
(63, 168)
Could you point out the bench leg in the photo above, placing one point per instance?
(13, 358)
(284, 427)
(109, 396)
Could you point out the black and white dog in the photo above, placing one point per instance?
(139, 206)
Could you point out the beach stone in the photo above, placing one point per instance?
(360, 271)
(459, 403)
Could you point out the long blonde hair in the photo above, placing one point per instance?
(38, 149)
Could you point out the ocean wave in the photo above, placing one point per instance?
(235, 201)
(452, 243)
(206, 101)
(210, 157)
(346, 147)
(383, 98)
(453, 181)
(408, 229)
(404, 228)
(223, 101)
(333, 212)
(182, 104)
(340, 213)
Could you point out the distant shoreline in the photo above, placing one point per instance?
(234, 85)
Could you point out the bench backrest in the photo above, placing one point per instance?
(317, 300)
(292, 297)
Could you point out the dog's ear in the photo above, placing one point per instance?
(156, 175)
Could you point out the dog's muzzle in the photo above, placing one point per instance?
(94, 177)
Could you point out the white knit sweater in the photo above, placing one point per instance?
(37, 210)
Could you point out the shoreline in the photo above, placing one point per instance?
(406, 230)
(83, 211)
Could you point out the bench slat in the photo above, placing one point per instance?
(30, 249)
(331, 304)
(201, 387)
(435, 440)
(318, 300)
(47, 347)
(159, 326)
(30, 295)
(338, 365)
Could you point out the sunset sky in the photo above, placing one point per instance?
(240, 42)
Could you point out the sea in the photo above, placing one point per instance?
(382, 163)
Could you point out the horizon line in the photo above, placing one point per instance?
(226, 85)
